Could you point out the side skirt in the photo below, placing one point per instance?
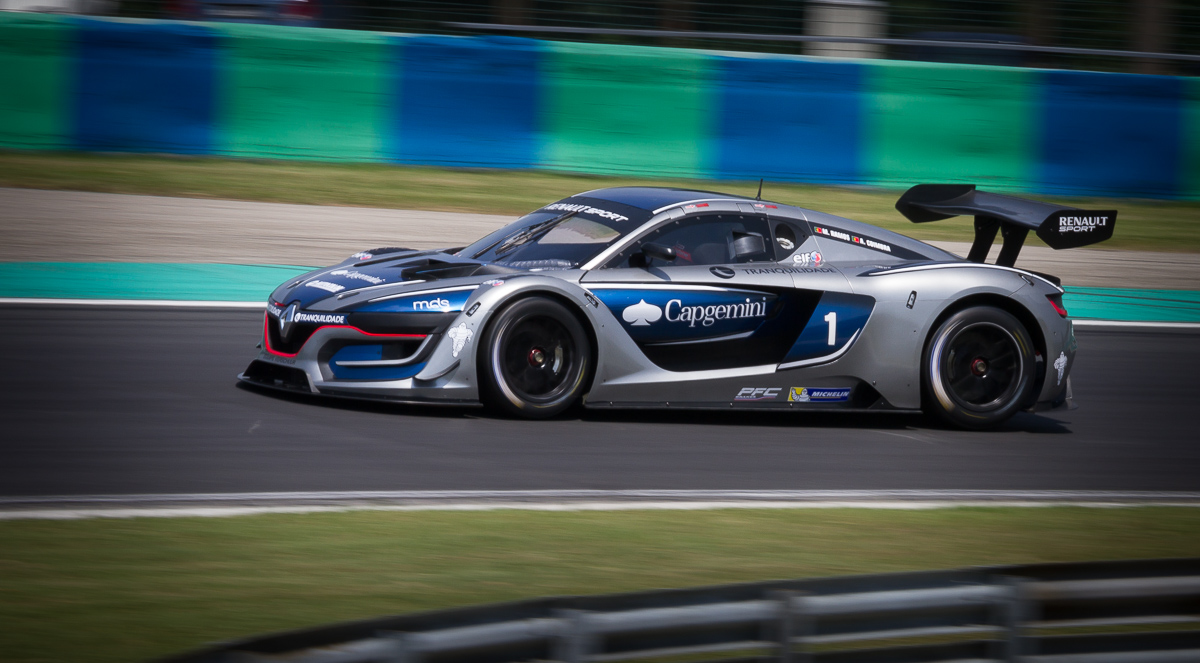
(726, 407)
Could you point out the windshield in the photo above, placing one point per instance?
(564, 235)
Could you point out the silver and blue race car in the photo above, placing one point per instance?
(643, 297)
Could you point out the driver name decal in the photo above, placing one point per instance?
(858, 240)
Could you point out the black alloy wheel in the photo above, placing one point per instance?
(537, 359)
(978, 368)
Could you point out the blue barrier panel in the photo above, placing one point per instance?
(467, 102)
(144, 87)
(789, 119)
(1110, 134)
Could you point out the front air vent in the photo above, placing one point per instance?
(277, 377)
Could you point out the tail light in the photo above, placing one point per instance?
(1056, 302)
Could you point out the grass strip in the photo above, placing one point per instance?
(123, 590)
(1143, 224)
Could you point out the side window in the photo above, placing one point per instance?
(702, 240)
(788, 238)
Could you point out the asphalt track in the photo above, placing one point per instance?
(124, 400)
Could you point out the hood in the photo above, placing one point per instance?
(379, 268)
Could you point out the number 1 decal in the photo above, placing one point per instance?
(831, 329)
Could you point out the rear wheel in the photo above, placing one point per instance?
(978, 368)
(536, 360)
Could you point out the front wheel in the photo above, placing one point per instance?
(536, 359)
(977, 368)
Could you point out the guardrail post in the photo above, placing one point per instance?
(402, 649)
(783, 625)
(1016, 612)
(577, 641)
(804, 627)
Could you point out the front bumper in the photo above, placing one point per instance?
(343, 360)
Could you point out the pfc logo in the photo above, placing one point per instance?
(758, 393)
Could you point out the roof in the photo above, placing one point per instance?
(651, 198)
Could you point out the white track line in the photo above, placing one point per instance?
(173, 303)
(68, 507)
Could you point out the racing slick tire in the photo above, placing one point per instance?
(535, 359)
(977, 368)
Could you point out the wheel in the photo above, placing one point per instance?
(536, 359)
(977, 368)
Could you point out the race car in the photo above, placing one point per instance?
(647, 297)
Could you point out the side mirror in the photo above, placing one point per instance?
(650, 250)
(748, 244)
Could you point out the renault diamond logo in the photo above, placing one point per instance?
(287, 320)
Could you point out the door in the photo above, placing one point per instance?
(717, 303)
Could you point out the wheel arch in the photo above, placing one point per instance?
(573, 307)
(1010, 306)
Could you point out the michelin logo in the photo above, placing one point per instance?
(816, 395)
(1060, 365)
(459, 336)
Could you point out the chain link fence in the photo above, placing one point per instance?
(1105, 35)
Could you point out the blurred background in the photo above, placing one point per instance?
(201, 151)
(1024, 33)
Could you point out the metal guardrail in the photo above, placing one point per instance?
(1106, 612)
(976, 45)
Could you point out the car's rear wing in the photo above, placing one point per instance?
(1058, 226)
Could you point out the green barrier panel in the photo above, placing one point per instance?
(949, 123)
(1133, 305)
(1190, 168)
(627, 110)
(128, 280)
(296, 93)
(35, 67)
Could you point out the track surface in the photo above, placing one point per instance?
(129, 400)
